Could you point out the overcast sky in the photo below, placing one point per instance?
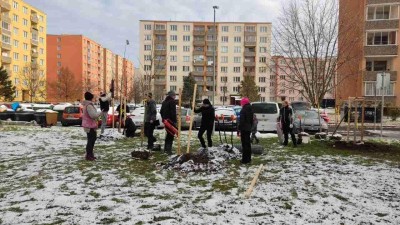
(111, 22)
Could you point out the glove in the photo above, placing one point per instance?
(291, 126)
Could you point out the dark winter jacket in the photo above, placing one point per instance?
(246, 118)
(207, 115)
(168, 109)
(286, 116)
(120, 109)
(105, 102)
(151, 111)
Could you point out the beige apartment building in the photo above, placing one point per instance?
(23, 47)
(170, 50)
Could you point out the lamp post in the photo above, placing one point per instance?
(214, 48)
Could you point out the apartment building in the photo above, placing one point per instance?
(282, 87)
(23, 46)
(376, 48)
(170, 50)
(92, 65)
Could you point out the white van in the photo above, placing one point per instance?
(267, 114)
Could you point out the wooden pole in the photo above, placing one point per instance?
(191, 118)
(144, 102)
(253, 182)
(362, 120)
(348, 120)
(179, 121)
(355, 120)
(112, 111)
(120, 110)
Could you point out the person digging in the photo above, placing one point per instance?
(207, 123)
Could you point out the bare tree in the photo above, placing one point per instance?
(33, 82)
(138, 88)
(66, 87)
(307, 36)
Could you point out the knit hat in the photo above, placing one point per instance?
(88, 96)
(206, 101)
(244, 101)
(171, 93)
(150, 95)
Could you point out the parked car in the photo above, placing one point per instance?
(185, 118)
(309, 121)
(267, 114)
(300, 105)
(72, 115)
(137, 117)
(225, 123)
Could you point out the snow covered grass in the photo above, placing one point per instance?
(44, 180)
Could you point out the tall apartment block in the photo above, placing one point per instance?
(376, 48)
(170, 50)
(91, 64)
(23, 44)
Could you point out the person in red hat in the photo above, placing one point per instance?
(245, 125)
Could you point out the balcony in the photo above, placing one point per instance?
(199, 43)
(6, 46)
(199, 32)
(35, 54)
(6, 18)
(211, 73)
(249, 74)
(381, 50)
(160, 41)
(160, 52)
(197, 73)
(199, 82)
(381, 24)
(34, 19)
(371, 75)
(198, 62)
(250, 43)
(212, 42)
(196, 52)
(250, 54)
(209, 83)
(160, 62)
(210, 53)
(160, 82)
(5, 5)
(34, 65)
(160, 32)
(4, 31)
(5, 59)
(250, 32)
(249, 64)
(161, 72)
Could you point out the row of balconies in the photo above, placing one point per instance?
(371, 75)
(5, 5)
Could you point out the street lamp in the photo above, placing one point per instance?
(214, 48)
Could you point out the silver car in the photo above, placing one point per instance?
(309, 121)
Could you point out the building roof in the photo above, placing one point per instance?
(176, 21)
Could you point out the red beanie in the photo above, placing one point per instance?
(244, 101)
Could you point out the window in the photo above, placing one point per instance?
(16, 31)
(383, 12)
(41, 18)
(237, 39)
(186, 48)
(263, 49)
(172, 68)
(5, 39)
(236, 69)
(25, 22)
(173, 58)
(238, 29)
(224, 69)
(41, 29)
(147, 37)
(173, 37)
(58, 48)
(58, 56)
(147, 57)
(186, 37)
(236, 79)
(376, 66)
(261, 89)
(147, 47)
(224, 39)
(224, 49)
(263, 39)
(15, 68)
(25, 10)
(185, 68)
(186, 28)
(224, 79)
(236, 89)
(15, 18)
(237, 59)
(25, 58)
(173, 48)
(173, 88)
(147, 68)
(261, 79)
(41, 40)
(159, 27)
(186, 58)
(381, 38)
(238, 49)
(41, 51)
(262, 59)
(262, 69)
(173, 27)
(147, 26)
(250, 29)
(370, 88)
(224, 59)
(16, 43)
(172, 78)
(225, 29)
(16, 56)
(15, 5)
(59, 64)
(263, 29)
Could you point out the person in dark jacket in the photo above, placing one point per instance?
(150, 118)
(286, 119)
(254, 130)
(121, 109)
(168, 111)
(245, 125)
(104, 107)
(207, 122)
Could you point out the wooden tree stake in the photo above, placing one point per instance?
(253, 182)
(191, 118)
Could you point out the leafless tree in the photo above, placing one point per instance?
(33, 81)
(307, 35)
(66, 87)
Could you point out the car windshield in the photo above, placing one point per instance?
(308, 114)
(265, 108)
(237, 110)
(300, 105)
(224, 112)
(72, 109)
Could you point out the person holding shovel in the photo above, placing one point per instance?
(207, 122)
(150, 121)
(168, 112)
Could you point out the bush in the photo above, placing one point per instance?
(394, 113)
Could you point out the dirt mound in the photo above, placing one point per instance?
(367, 146)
